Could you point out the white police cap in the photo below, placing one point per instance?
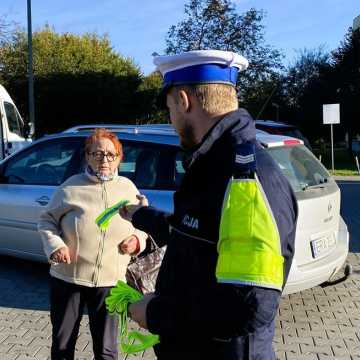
(200, 66)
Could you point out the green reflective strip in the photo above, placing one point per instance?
(104, 218)
(117, 302)
(249, 245)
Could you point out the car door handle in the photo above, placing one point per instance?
(43, 200)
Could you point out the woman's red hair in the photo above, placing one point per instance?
(102, 133)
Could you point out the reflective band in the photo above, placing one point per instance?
(103, 220)
(249, 244)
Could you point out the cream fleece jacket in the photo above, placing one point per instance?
(69, 220)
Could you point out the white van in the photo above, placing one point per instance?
(12, 132)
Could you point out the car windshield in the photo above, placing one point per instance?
(292, 132)
(300, 166)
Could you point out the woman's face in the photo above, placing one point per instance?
(102, 157)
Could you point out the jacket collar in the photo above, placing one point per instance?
(239, 123)
(92, 176)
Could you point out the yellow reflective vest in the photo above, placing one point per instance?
(249, 250)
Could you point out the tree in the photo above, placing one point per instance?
(304, 87)
(307, 68)
(215, 24)
(347, 78)
(148, 92)
(63, 54)
(78, 79)
(6, 28)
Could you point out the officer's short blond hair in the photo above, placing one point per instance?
(213, 98)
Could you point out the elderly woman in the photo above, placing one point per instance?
(85, 260)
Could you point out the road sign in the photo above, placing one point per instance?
(331, 114)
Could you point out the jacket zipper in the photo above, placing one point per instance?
(102, 240)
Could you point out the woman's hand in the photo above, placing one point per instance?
(130, 245)
(61, 255)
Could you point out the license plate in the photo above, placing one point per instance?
(322, 245)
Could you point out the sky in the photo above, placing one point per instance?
(138, 28)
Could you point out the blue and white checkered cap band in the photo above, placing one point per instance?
(204, 73)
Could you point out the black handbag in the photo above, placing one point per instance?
(142, 271)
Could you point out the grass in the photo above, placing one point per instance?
(344, 162)
(344, 172)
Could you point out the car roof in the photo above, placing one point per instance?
(274, 124)
(162, 134)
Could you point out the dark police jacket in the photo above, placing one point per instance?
(193, 314)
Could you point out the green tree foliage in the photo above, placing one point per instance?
(346, 79)
(260, 100)
(64, 54)
(216, 24)
(148, 92)
(78, 79)
(305, 86)
(307, 69)
(318, 78)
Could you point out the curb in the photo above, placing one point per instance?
(346, 178)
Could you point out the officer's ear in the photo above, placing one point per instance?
(184, 100)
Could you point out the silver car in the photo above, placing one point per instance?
(153, 160)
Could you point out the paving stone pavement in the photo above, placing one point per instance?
(322, 323)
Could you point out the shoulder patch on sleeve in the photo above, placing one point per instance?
(245, 160)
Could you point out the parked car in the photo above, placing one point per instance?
(280, 128)
(12, 128)
(153, 160)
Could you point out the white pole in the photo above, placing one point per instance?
(357, 164)
(332, 148)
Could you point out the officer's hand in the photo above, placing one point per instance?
(130, 245)
(128, 211)
(61, 255)
(137, 310)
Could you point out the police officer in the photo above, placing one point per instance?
(230, 239)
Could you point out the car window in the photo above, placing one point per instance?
(149, 166)
(13, 118)
(300, 166)
(47, 163)
(179, 169)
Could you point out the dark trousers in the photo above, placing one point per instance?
(67, 303)
(254, 346)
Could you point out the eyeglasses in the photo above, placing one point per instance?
(100, 155)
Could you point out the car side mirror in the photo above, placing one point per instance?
(29, 130)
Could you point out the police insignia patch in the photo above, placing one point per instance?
(245, 160)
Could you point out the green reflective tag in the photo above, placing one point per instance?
(103, 220)
(117, 302)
